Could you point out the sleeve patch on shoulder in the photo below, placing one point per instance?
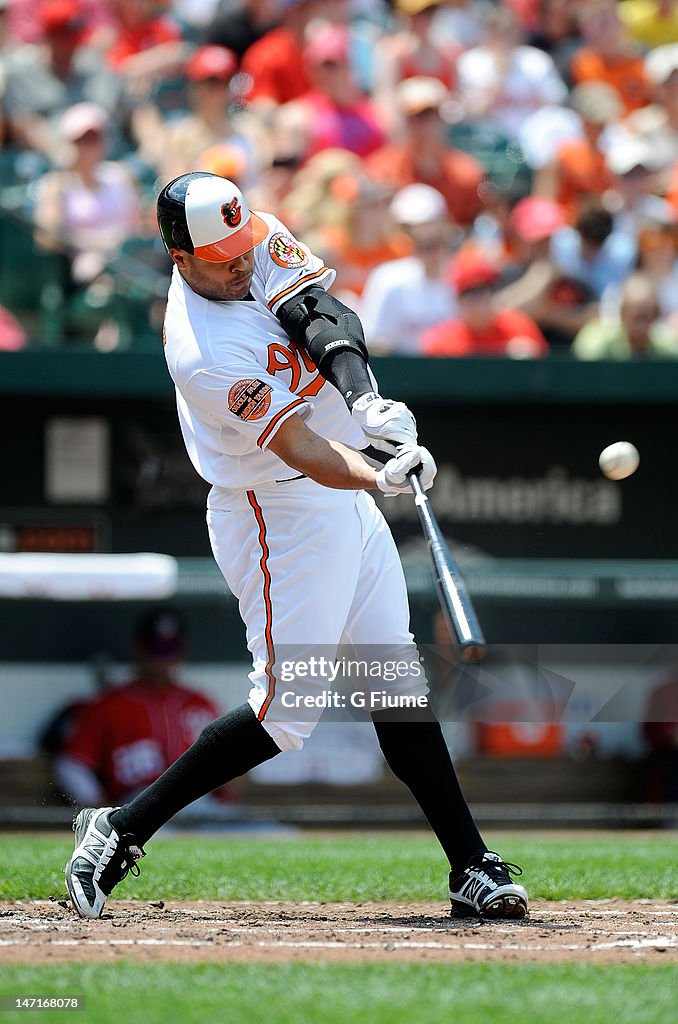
(249, 399)
(286, 252)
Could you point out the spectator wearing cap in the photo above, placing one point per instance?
(402, 298)
(213, 119)
(43, 80)
(533, 283)
(637, 334)
(479, 327)
(503, 80)
(123, 740)
(413, 52)
(650, 22)
(579, 174)
(334, 113)
(635, 164)
(425, 155)
(609, 56)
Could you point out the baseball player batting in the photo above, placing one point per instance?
(278, 408)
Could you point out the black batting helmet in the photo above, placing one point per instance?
(207, 216)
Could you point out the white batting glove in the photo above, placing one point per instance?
(393, 478)
(385, 423)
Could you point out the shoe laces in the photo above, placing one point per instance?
(122, 863)
(131, 854)
(499, 866)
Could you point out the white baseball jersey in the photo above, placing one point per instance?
(237, 374)
(311, 567)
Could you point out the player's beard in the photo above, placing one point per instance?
(228, 291)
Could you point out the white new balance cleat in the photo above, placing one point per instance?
(101, 859)
(485, 889)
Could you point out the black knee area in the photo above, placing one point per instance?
(225, 749)
(242, 731)
(409, 745)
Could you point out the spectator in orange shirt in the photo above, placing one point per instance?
(425, 155)
(580, 173)
(363, 236)
(607, 55)
(480, 328)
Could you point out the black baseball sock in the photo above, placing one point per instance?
(416, 752)
(226, 748)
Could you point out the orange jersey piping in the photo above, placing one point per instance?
(268, 628)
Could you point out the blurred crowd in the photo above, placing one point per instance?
(488, 177)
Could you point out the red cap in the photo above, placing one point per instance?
(470, 269)
(328, 44)
(60, 14)
(536, 218)
(211, 62)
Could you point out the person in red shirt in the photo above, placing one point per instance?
(146, 46)
(123, 740)
(276, 61)
(425, 155)
(480, 329)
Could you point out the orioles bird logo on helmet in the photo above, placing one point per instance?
(232, 213)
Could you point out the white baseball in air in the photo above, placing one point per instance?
(619, 460)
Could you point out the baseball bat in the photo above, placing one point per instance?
(452, 593)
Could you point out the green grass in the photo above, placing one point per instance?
(360, 994)
(353, 867)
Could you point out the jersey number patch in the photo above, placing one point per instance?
(249, 399)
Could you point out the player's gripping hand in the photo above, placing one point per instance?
(393, 478)
(385, 423)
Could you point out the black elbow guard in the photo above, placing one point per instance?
(322, 325)
(333, 336)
